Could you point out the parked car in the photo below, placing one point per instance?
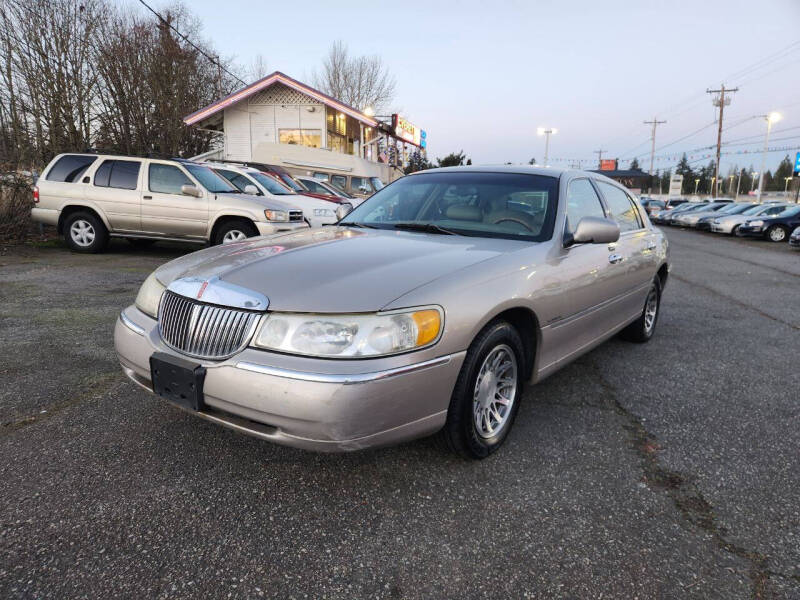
(729, 224)
(426, 309)
(356, 185)
(663, 216)
(775, 228)
(316, 212)
(689, 218)
(91, 197)
(650, 205)
(794, 239)
(323, 188)
(735, 208)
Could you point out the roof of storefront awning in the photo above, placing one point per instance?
(261, 84)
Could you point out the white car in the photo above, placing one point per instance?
(729, 224)
(250, 180)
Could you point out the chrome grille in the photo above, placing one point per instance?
(203, 330)
(295, 215)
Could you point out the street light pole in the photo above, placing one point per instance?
(546, 132)
(753, 179)
(771, 118)
(786, 185)
(738, 183)
(696, 182)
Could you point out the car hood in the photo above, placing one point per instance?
(271, 203)
(336, 269)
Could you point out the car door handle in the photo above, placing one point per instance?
(614, 258)
(147, 197)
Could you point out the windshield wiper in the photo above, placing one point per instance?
(424, 227)
(356, 224)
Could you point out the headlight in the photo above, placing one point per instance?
(149, 296)
(350, 335)
(276, 215)
(324, 212)
(755, 223)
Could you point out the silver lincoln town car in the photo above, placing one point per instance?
(426, 309)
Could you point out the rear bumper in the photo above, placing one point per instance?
(48, 216)
(307, 403)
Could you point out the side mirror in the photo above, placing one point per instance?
(191, 190)
(594, 230)
(251, 190)
(343, 210)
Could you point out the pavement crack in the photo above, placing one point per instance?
(90, 387)
(684, 493)
(735, 301)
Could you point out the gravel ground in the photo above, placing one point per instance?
(665, 470)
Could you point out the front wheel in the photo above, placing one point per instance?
(643, 328)
(776, 233)
(84, 232)
(487, 394)
(235, 230)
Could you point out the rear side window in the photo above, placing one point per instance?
(340, 180)
(167, 179)
(582, 201)
(621, 206)
(121, 174)
(70, 168)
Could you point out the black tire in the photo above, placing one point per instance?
(734, 230)
(777, 233)
(140, 242)
(85, 232)
(231, 227)
(642, 329)
(460, 432)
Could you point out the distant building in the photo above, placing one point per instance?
(279, 120)
(633, 179)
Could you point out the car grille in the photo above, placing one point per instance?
(295, 215)
(203, 330)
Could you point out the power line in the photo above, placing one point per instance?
(213, 59)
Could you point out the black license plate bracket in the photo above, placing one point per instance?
(178, 380)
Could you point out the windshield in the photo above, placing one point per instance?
(337, 190)
(753, 209)
(734, 209)
(377, 183)
(287, 179)
(210, 180)
(272, 186)
(790, 212)
(504, 205)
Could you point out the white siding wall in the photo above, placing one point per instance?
(237, 134)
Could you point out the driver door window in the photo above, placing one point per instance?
(582, 201)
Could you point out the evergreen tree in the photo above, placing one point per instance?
(685, 169)
(417, 162)
(634, 164)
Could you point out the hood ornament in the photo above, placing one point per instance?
(222, 293)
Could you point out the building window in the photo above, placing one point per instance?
(301, 137)
(337, 143)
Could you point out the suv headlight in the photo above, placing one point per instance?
(276, 215)
(345, 336)
(149, 296)
(324, 212)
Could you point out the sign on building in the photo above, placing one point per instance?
(675, 186)
(608, 164)
(407, 131)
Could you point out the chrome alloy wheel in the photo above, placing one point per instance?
(234, 235)
(650, 310)
(495, 389)
(777, 234)
(82, 233)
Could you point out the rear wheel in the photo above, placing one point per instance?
(486, 397)
(643, 328)
(776, 233)
(85, 232)
(235, 230)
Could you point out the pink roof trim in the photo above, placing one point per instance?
(276, 77)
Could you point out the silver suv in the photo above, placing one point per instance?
(91, 197)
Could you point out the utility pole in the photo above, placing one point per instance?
(720, 101)
(600, 157)
(655, 123)
(219, 76)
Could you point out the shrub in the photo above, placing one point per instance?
(16, 201)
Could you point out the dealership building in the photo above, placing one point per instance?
(281, 121)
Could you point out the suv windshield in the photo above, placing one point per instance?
(210, 180)
(269, 183)
(503, 205)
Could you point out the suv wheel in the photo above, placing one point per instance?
(487, 394)
(776, 233)
(84, 232)
(235, 230)
(643, 328)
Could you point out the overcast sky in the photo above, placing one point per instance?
(482, 75)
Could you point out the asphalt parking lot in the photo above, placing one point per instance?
(665, 470)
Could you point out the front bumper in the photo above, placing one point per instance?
(315, 404)
(794, 241)
(750, 231)
(276, 227)
(717, 228)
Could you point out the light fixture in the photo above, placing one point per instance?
(369, 111)
(774, 117)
